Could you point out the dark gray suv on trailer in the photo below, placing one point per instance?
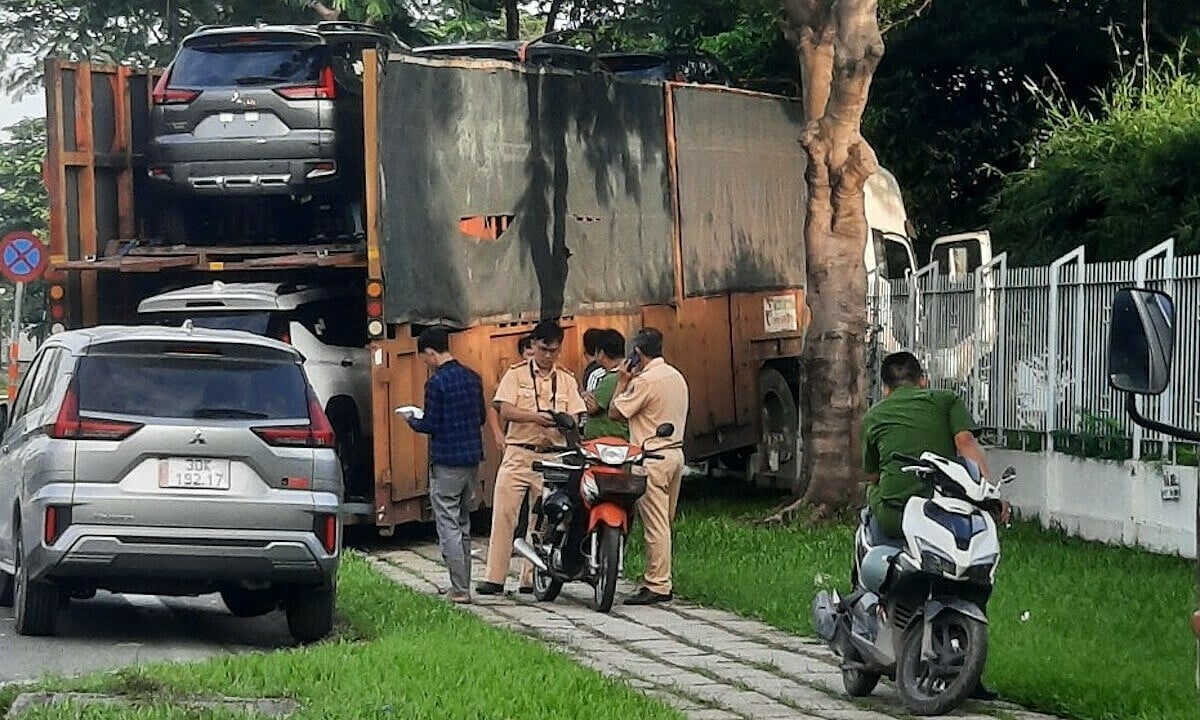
(263, 110)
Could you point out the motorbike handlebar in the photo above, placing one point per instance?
(901, 457)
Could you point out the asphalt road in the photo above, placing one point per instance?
(114, 631)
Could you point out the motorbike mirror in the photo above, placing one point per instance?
(665, 430)
(1009, 474)
(1141, 341)
(564, 421)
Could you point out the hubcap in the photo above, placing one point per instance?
(950, 648)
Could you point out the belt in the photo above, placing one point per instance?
(540, 449)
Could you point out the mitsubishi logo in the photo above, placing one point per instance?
(197, 438)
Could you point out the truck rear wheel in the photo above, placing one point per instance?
(779, 448)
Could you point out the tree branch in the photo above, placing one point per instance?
(324, 11)
(552, 15)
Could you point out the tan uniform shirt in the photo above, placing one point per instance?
(657, 395)
(528, 388)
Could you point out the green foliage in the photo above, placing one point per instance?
(950, 112)
(1115, 179)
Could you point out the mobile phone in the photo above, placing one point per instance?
(634, 358)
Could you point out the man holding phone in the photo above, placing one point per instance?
(528, 396)
(649, 393)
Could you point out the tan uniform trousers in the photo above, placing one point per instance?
(513, 478)
(657, 510)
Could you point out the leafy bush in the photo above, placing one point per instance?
(1116, 181)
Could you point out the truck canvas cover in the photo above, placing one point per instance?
(525, 192)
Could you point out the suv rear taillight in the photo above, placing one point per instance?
(164, 95)
(69, 425)
(58, 519)
(323, 89)
(317, 433)
(325, 528)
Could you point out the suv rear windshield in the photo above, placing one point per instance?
(258, 323)
(231, 64)
(214, 387)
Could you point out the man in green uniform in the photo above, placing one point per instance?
(610, 351)
(911, 419)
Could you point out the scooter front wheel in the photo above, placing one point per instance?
(610, 565)
(940, 684)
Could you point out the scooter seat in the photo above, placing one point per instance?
(875, 534)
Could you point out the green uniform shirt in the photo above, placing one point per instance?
(602, 425)
(909, 421)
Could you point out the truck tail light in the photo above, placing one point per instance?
(376, 327)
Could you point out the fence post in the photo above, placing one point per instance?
(919, 311)
(1076, 256)
(994, 320)
(1141, 265)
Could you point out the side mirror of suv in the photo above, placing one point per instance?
(1141, 341)
(3, 416)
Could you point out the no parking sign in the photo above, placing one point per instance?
(23, 258)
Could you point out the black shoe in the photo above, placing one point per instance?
(645, 596)
(489, 588)
(982, 693)
(525, 589)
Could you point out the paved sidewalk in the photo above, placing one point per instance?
(710, 664)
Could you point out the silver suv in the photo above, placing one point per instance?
(326, 323)
(169, 461)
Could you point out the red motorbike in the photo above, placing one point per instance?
(584, 513)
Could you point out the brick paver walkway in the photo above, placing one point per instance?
(710, 664)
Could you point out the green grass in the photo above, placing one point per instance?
(421, 658)
(1107, 636)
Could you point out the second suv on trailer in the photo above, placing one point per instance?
(326, 323)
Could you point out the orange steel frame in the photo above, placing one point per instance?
(718, 342)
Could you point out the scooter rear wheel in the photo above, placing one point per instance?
(610, 565)
(858, 683)
(545, 588)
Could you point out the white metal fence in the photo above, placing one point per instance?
(1025, 347)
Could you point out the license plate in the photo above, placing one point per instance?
(252, 117)
(193, 473)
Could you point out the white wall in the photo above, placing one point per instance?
(1115, 502)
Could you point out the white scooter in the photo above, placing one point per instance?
(917, 611)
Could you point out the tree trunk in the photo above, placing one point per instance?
(839, 46)
(512, 20)
(552, 15)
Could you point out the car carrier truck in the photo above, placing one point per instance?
(498, 194)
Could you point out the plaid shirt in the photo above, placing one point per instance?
(454, 412)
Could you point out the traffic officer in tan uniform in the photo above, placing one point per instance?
(527, 397)
(650, 393)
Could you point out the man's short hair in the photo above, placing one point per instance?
(612, 344)
(524, 344)
(548, 331)
(436, 339)
(591, 340)
(649, 342)
(901, 368)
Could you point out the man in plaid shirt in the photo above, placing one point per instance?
(453, 418)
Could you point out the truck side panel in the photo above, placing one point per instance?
(96, 133)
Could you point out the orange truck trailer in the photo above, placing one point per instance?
(496, 195)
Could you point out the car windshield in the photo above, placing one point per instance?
(234, 64)
(191, 387)
(251, 322)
